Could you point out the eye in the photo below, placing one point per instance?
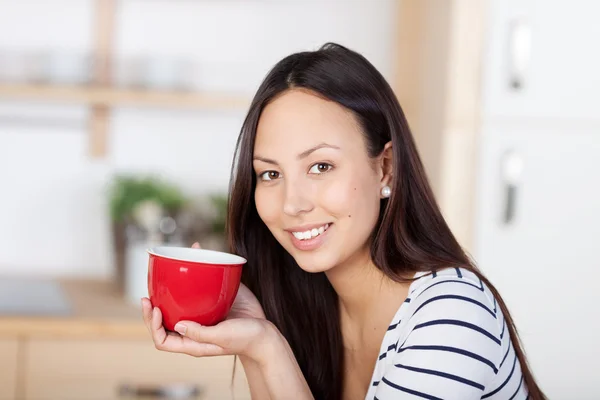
(269, 175)
(320, 168)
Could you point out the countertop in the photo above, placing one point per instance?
(97, 311)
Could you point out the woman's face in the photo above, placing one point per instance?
(317, 190)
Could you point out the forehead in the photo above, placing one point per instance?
(298, 119)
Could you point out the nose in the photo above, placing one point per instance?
(297, 199)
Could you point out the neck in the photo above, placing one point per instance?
(368, 299)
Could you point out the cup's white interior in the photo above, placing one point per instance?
(196, 255)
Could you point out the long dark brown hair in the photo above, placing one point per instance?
(411, 235)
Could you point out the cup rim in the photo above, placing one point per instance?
(199, 256)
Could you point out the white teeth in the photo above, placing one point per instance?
(310, 234)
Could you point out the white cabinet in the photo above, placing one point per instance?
(118, 369)
(549, 49)
(545, 259)
(537, 223)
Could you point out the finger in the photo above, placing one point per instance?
(199, 349)
(214, 335)
(159, 334)
(196, 245)
(175, 343)
(147, 313)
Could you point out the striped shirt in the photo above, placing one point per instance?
(448, 340)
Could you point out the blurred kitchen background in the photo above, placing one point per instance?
(118, 120)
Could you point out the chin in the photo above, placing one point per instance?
(314, 262)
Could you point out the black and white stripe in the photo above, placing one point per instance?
(448, 341)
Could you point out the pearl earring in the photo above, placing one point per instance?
(386, 191)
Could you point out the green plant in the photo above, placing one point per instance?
(127, 191)
(219, 203)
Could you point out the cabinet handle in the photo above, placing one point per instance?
(177, 391)
(519, 48)
(512, 169)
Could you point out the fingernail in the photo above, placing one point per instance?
(180, 328)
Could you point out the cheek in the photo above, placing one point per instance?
(266, 206)
(353, 199)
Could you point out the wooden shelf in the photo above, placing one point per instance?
(102, 97)
(110, 97)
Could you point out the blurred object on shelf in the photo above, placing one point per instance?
(128, 72)
(46, 67)
(73, 68)
(68, 68)
(154, 73)
(148, 211)
(176, 391)
(138, 205)
(162, 73)
(35, 67)
(216, 239)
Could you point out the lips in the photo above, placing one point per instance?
(309, 237)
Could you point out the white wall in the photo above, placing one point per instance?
(53, 212)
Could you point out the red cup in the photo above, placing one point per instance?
(193, 284)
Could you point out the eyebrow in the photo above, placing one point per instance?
(302, 155)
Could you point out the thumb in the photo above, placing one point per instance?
(202, 344)
(196, 245)
(199, 333)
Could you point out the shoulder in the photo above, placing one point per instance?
(449, 341)
(458, 284)
(452, 293)
(454, 305)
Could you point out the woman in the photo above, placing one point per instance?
(355, 287)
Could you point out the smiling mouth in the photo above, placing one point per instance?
(312, 233)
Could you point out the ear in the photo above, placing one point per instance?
(386, 165)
